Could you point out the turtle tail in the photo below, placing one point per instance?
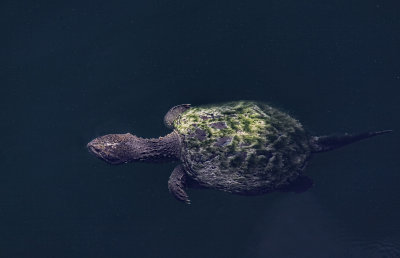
(327, 143)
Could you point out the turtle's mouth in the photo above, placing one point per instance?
(95, 150)
(103, 151)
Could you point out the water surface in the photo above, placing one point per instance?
(72, 71)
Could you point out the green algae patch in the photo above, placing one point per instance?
(238, 140)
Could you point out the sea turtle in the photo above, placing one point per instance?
(241, 147)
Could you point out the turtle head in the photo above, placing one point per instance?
(124, 148)
(112, 148)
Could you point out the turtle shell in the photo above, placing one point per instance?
(242, 147)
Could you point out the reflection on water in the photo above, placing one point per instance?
(298, 225)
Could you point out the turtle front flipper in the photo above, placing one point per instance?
(173, 113)
(177, 183)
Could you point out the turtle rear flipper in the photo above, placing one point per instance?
(177, 184)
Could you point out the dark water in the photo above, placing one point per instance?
(72, 71)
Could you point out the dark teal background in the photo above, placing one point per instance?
(72, 71)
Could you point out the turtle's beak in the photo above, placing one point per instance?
(106, 148)
(94, 147)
